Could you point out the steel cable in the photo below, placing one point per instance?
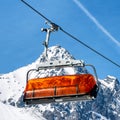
(70, 35)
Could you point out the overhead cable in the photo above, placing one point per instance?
(78, 40)
(36, 11)
(70, 35)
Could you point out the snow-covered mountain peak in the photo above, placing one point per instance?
(106, 106)
(110, 82)
(56, 53)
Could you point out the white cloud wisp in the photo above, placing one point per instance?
(97, 23)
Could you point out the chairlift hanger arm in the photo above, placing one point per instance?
(53, 28)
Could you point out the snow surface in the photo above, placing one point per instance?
(109, 82)
(105, 107)
(8, 112)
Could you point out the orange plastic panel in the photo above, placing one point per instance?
(40, 93)
(59, 85)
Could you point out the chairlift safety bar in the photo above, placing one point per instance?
(58, 63)
(62, 63)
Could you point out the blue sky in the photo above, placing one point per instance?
(95, 22)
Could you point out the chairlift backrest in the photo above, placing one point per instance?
(60, 88)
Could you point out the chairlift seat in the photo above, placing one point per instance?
(49, 89)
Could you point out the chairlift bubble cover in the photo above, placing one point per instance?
(56, 86)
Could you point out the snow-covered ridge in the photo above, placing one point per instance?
(110, 82)
(106, 106)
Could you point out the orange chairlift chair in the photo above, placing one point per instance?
(61, 88)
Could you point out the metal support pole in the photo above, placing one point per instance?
(53, 28)
(46, 42)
